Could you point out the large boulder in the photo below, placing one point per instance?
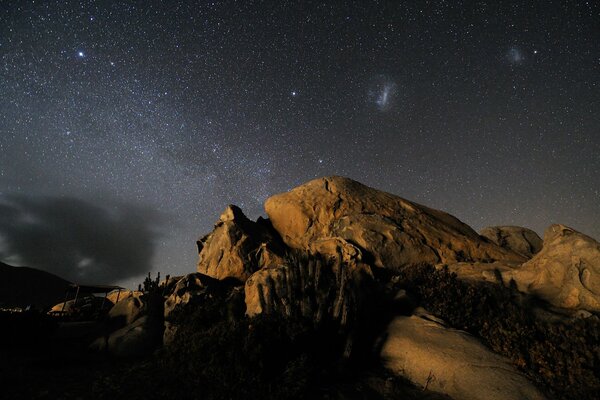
(127, 310)
(520, 240)
(390, 231)
(566, 272)
(433, 356)
(234, 248)
(137, 339)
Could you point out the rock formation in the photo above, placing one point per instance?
(189, 289)
(520, 240)
(127, 310)
(390, 231)
(421, 348)
(236, 247)
(566, 272)
(348, 263)
(133, 340)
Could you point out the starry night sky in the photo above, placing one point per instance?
(127, 127)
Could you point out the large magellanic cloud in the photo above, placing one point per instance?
(79, 240)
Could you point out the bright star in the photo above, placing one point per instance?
(81, 54)
(294, 93)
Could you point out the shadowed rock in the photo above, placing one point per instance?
(189, 289)
(128, 309)
(520, 240)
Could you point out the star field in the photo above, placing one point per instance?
(488, 111)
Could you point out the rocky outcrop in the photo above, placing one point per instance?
(136, 339)
(421, 348)
(390, 231)
(237, 247)
(520, 240)
(566, 272)
(127, 310)
(190, 289)
(196, 291)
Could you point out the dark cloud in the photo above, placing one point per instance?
(76, 239)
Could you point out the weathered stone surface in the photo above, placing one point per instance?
(520, 240)
(191, 288)
(390, 231)
(234, 248)
(566, 272)
(450, 361)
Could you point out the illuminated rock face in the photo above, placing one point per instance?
(350, 230)
(392, 232)
(566, 272)
(237, 247)
(421, 348)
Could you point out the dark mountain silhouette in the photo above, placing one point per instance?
(23, 286)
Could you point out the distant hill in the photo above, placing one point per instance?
(21, 286)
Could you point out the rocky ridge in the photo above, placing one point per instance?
(329, 247)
